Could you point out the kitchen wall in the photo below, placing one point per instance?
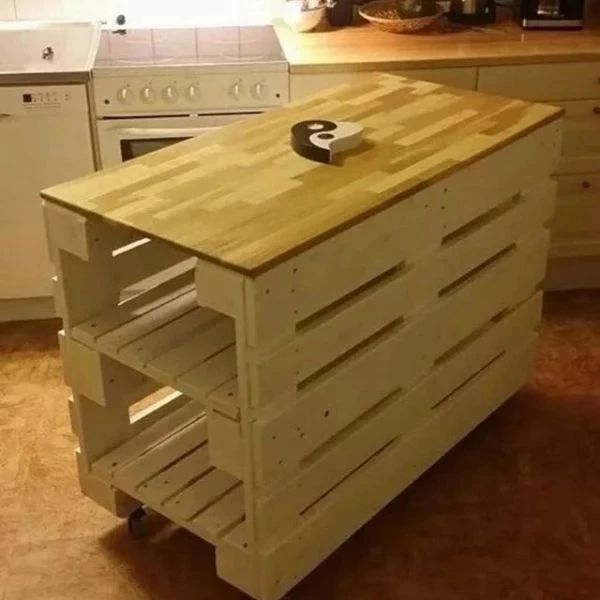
(146, 12)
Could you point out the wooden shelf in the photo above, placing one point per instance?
(166, 467)
(164, 334)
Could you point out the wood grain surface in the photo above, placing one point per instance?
(363, 47)
(241, 197)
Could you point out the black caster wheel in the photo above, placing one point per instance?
(136, 524)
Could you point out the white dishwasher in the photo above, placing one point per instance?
(45, 139)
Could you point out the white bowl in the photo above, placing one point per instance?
(300, 20)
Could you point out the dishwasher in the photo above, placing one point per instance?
(45, 138)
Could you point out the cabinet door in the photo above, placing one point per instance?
(305, 84)
(561, 81)
(581, 137)
(576, 223)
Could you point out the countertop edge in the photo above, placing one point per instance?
(302, 68)
(63, 77)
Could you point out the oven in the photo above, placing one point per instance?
(122, 139)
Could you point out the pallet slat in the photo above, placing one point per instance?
(139, 469)
(89, 331)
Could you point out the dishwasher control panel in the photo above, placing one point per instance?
(23, 100)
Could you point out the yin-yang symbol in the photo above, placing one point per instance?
(321, 140)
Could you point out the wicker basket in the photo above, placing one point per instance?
(383, 14)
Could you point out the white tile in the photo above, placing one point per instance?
(218, 41)
(38, 9)
(7, 10)
(174, 42)
(253, 12)
(136, 45)
(85, 9)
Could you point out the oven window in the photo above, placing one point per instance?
(134, 148)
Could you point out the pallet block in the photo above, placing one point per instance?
(308, 396)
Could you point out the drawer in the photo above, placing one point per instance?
(578, 206)
(304, 84)
(581, 137)
(562, 81)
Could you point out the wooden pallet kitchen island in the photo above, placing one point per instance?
(304, 340)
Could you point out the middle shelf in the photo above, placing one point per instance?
(164, 334)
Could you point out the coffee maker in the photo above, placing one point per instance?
(551, 14)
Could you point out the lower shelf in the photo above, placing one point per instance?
(166, 467)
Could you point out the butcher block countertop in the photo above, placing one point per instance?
(243, 198)
(363, 47)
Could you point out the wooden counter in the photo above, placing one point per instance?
(363, 47)
(243, 198)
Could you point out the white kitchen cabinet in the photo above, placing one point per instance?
(545, 82)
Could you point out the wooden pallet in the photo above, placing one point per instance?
(307, 397)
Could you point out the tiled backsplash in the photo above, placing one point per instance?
(146, 12)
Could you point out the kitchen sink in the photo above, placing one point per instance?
(47, 46)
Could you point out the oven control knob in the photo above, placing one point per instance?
(193, 92)
(148, 95)
(259, 90)
(235, 91)
(170, 94)
(125, 95)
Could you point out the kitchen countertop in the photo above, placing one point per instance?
(242, 197)
(365, 48)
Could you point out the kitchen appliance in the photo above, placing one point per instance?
(45, 139)
(472, 12)
(551, 14)
(155, 87)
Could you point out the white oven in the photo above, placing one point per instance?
(122, 139)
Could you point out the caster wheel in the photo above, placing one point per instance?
(135, 523)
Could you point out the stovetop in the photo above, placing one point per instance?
(143, 48)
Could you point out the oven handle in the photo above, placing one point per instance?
(165, 132)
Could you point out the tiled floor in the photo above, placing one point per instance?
(512, 513)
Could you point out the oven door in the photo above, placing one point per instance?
(122, 139)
